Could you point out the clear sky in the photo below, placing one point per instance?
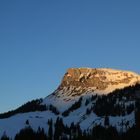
(40, 39)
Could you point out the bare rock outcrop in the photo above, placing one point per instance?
(79, 80)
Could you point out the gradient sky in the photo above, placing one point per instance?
(39, 40)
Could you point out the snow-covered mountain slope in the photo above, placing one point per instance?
(11, 126)
(85, 96)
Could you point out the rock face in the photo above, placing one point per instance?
(84, 77)
(76, 81)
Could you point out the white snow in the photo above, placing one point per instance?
(11, 126)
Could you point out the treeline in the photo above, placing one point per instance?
(31, 106)
(108, 106)
(34, 105)
(120, 102)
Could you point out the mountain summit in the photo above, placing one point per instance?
(102, 80)
(79, 82)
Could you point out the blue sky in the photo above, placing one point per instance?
(39, 40)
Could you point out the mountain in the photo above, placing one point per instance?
(86, 98)
(79, 82)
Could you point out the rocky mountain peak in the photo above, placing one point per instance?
(102, 80)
